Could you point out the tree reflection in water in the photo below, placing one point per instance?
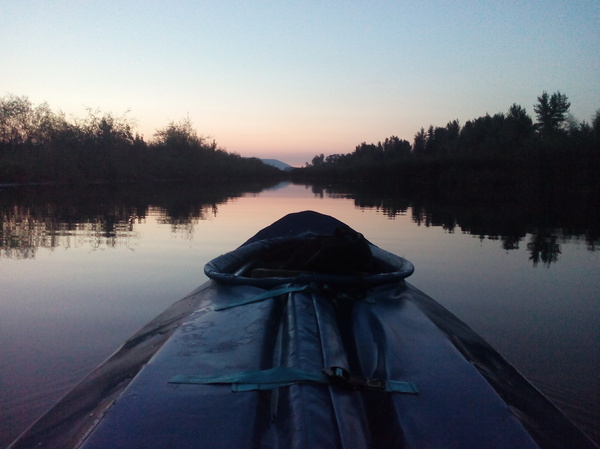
(507, 219)
(106, 217)
(543, 248)
(102, 216)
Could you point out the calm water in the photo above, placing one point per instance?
(80, 273)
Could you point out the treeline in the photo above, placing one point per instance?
(502, 152)
(38, 145)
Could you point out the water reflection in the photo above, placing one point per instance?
(24, 231)
(543, 248)
(547, 223)
(103, 217)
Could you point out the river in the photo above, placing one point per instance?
(82, 271)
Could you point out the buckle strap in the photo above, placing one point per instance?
(284, 376)
(326, 290)
(263, 296)
(343, 378)
(254, 380)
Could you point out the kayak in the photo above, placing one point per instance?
(306, 336)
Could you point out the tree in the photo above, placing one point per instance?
(596, 123)
(519, 122)
(394, 147)
(419, 142)
(318, 160)
(448, 137)
(179, 135)
(15, 119)
(453, 128)
(551, 111)
(369, 152)
(333, 159)
(431, 143)
(518, 115)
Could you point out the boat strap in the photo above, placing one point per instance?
(273, 294)
(284, 376)
(263, 296)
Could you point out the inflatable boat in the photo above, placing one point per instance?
(306, 336)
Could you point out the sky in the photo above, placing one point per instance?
(292, 79)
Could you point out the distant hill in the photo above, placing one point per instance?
(277, 164)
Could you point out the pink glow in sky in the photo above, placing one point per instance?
(288, 80)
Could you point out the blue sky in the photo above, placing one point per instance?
(291, 79)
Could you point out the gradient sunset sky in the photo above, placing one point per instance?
(290, 79)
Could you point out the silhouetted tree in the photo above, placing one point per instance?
(453, 129)
(15, 119)
(333, 159)
(319, 159)
(484, 134)
(596, 124)
(394, 147)
(551, 112)
(519, 122)
(369, 152)
(431, 142)
(419, 142)
(179, 135)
